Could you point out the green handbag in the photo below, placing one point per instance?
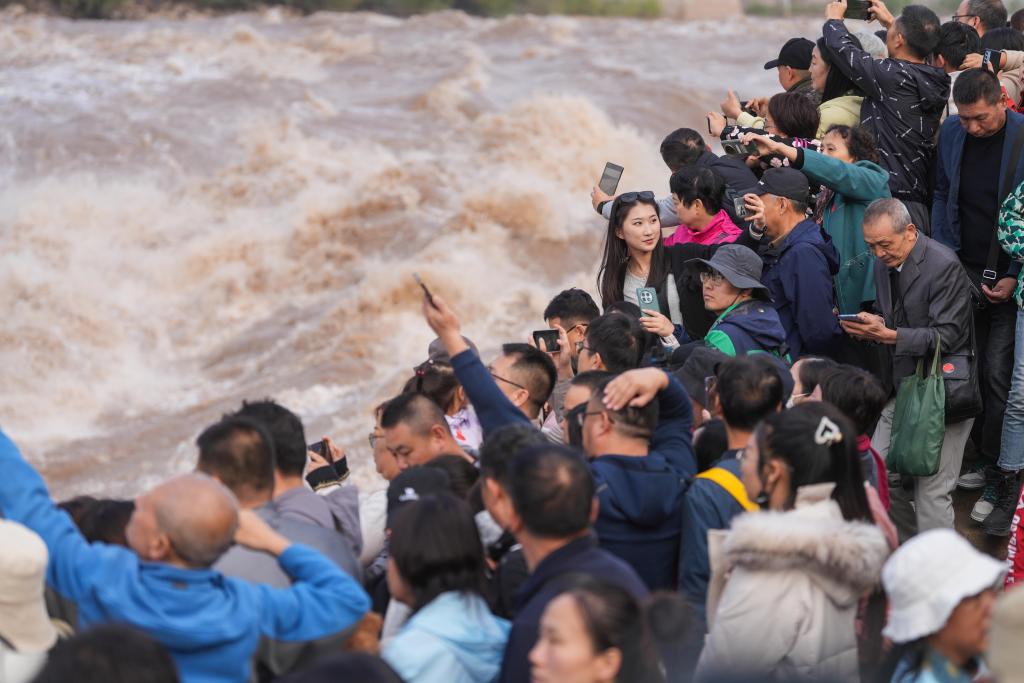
(919, 422)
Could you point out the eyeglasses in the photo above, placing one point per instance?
(630, 197)
(710, 382)
(582, 415)
(580, 345)
(508, 381)
(373, 438)
(711, 277)
(958, 17)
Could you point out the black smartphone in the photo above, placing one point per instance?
(550, 338)
(426, 292)
(850, 318)
(990, 60)
(739, 205)
(858, 9)
(737, 148)
(320, 448)
(708, 119)
(610, 178)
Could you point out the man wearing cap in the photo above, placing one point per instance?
(904, 97)
(793, 65)
(747, 322)
(923, 295)
(799, 263)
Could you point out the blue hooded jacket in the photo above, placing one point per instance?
(640, 498)
(798, 272)
(749, 327)
(453, 639)
(209, 623)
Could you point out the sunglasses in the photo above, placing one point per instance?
(630, 197)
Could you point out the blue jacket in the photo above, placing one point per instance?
(707, 506)
(749, 327)
(640, 498)
(210, 624)
(798, 273)
(946, 226)
(453, 639)
(553, 575)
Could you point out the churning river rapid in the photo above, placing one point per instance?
(193, 212)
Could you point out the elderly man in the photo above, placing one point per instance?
(924, 295)
(982, 15)
(209, 623)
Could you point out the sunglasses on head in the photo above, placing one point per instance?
(630, 197)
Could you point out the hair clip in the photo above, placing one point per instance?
(828, 433)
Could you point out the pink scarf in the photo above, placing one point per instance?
(720, 229)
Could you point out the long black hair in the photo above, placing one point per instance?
(836, 83)
(805, 438)
(612, 275)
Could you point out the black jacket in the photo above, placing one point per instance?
(903, 105)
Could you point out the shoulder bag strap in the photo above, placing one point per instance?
(731, 483)
(989, 275)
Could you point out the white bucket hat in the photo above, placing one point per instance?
(23, 619)
(928, 577)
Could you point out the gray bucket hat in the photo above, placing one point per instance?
(740, 266)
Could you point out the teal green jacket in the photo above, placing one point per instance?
(1011, 233)
(855, 187)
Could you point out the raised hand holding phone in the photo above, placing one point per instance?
(443, 322)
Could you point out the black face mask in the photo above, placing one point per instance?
(572, 423)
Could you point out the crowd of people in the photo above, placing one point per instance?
(735, 463)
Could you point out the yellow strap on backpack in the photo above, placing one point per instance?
(731, 483)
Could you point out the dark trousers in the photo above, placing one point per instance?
(995, 331)
(920, 216)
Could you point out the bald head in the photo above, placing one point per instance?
(198, 515)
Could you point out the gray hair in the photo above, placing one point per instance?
(893, 209)
(872, 44)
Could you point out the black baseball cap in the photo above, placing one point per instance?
(783, 182)
(702, 363)
(413, 484)
(796, 53)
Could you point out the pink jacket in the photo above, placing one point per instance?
(721, 229)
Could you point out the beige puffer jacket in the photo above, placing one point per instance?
(790, 597)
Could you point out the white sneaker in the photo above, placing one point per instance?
(972, 480)
(982, 509)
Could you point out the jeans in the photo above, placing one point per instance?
(1011, 455)
(932, 496)
(994, 330)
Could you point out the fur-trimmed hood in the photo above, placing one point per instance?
(844, 558)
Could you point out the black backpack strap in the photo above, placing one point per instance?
(989, 275)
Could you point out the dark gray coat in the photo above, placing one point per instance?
(933, 296)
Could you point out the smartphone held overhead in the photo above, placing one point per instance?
(610, 178)
(426, 292)
(858, 9)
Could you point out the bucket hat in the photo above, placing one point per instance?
(740, 266)
(928, 577)
(23, 619)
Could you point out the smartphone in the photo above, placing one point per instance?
(990, 60)
(708, 119)
(850, 318)
(320, 448)
(550, 338)
(737, 148)
(739, 205)
(858, 9)
(745, 106)
(647, 299)
(610, 178)
(426, 292)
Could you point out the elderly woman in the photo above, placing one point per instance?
(747, 322)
